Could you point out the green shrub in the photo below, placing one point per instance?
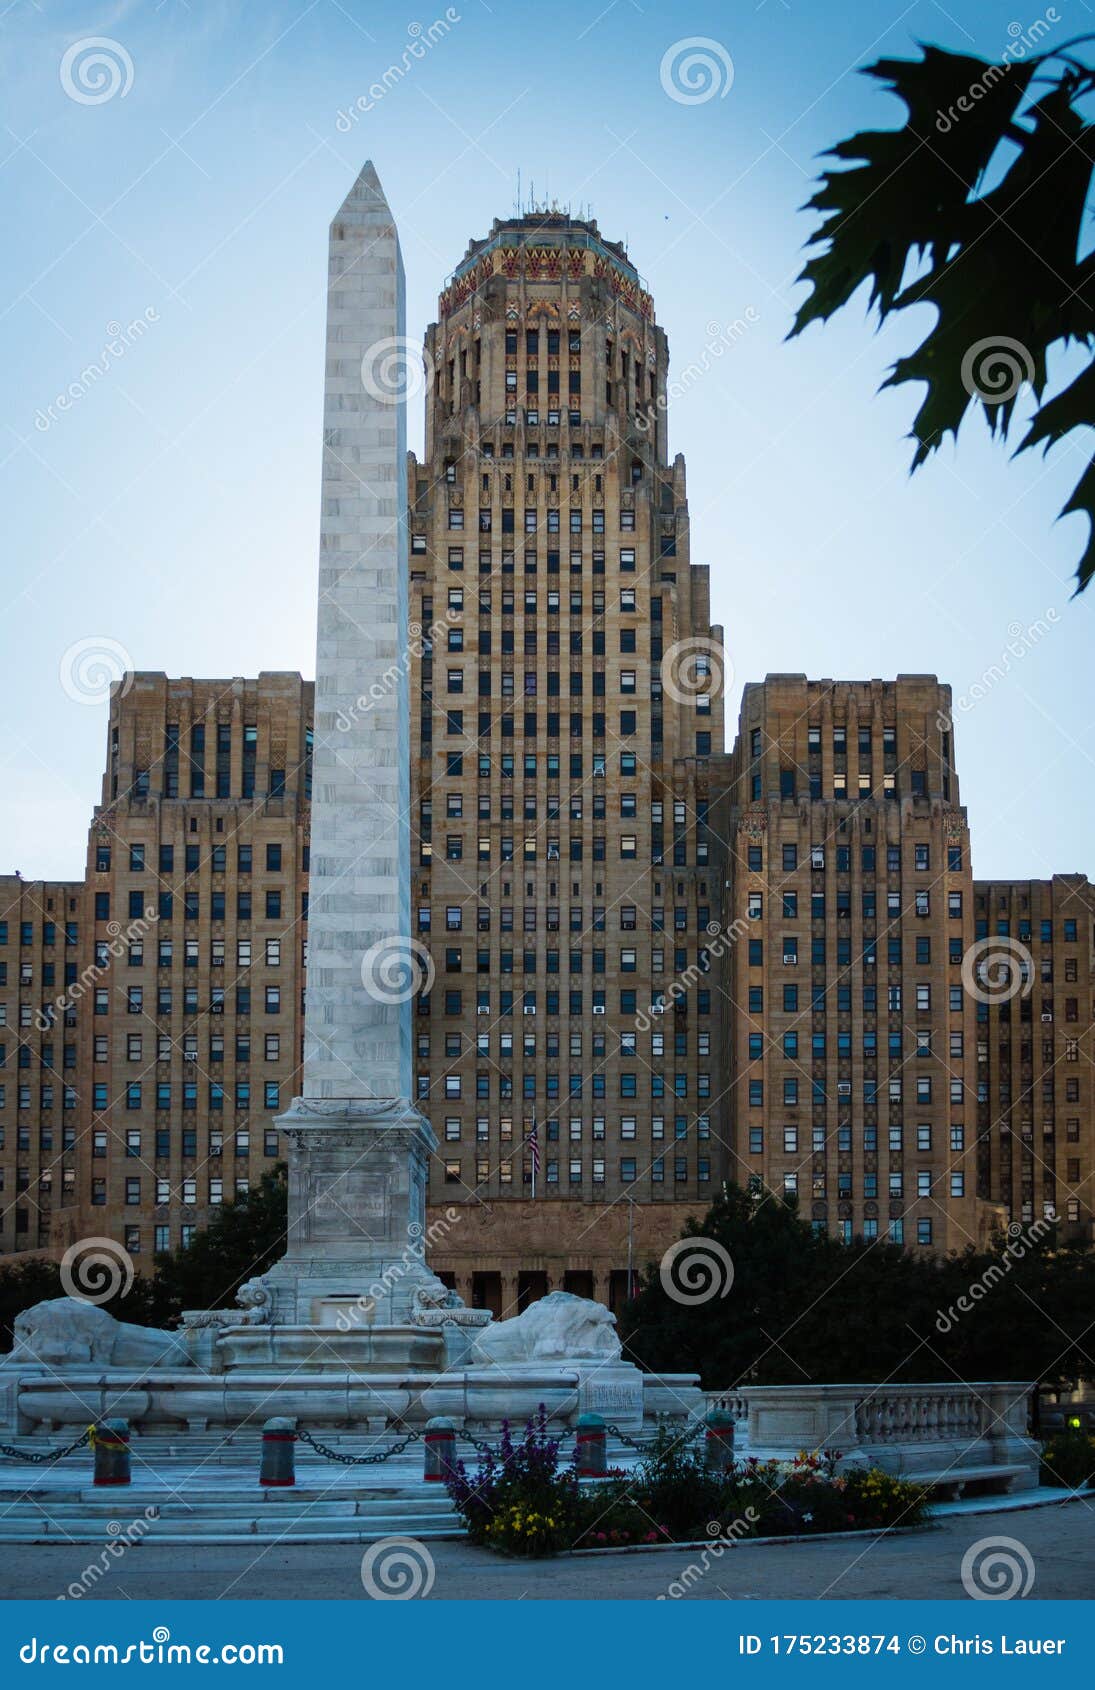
(675, 1489)
(1069, 1459)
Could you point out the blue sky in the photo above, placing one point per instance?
(172, 510)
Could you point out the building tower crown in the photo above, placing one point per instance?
(545, 325)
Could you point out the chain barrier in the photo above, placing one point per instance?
(632, 1443)
(649, 1448)
(356, 1460)
(483, 1449)
(36, 1457)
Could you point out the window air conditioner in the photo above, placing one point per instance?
(529, 1009)
(598, 1009)
(482, 1009)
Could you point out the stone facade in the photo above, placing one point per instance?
(41, 944)
(852, 1033)
(1035, 1043)
(189, 1026)
(561, 752)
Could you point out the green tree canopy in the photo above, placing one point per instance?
(802, 1306)
(979, 207)
(244, 1239)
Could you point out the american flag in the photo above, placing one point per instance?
(533, 1142)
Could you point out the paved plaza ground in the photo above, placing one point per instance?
(1061, 1540)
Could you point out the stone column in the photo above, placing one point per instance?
(509, 1294)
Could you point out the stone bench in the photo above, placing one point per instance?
(950, 1483)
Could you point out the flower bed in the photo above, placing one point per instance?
(524, 1501)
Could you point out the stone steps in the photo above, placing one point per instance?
(234, 1531)
(291, 1503)
(221, 1514)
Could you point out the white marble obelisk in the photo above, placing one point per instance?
(357, 1034)
(358, 1149)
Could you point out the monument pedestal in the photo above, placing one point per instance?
(358, 1172)
(353, 1293)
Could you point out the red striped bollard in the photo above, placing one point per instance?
(279, 1438)
(591, 1447)
(110, 1441)
(439, 1450)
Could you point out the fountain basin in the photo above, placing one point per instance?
(327, 1349)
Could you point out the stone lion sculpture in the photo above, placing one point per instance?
(66, 1332)
(560, 1327)
(255, 1299)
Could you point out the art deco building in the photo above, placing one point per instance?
(40, 940)
(851, 1032)
(561, 747)
(653, 965)
(189, 1022)
(1035, 1047)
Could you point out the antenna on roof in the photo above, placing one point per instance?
(517, 201)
